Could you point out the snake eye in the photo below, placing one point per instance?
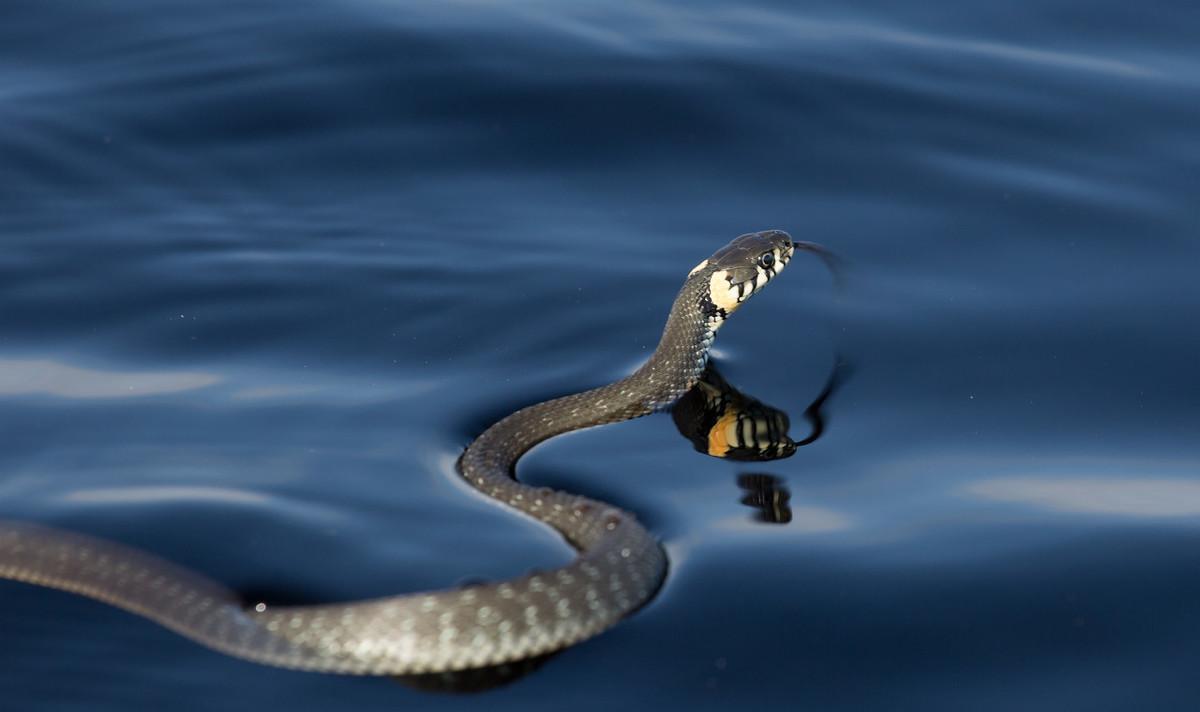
(766, 260)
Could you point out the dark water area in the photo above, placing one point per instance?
(268, 267)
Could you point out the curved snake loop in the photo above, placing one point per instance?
(619, 568)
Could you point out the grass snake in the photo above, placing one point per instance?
(619, 567)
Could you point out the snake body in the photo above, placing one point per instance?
(619, 567)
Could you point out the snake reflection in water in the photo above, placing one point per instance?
(619, 568)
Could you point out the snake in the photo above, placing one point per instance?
(619, 567)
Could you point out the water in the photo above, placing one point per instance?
(268, 267)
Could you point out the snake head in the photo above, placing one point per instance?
(743, 267)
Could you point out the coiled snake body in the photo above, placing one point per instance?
(620, 564)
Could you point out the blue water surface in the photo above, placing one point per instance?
(269, 266)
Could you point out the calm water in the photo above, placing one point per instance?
(268, 267)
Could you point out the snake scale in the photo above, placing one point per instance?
(619, 567)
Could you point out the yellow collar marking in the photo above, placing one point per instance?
(721, 292)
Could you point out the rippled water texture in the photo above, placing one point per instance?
(268, 267)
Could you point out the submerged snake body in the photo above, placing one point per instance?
(620, 565)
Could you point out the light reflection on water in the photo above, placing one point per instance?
(47, 377)
(150, 495)
(1143, 496)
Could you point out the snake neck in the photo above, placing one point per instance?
(673, 368)
(682, 351)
